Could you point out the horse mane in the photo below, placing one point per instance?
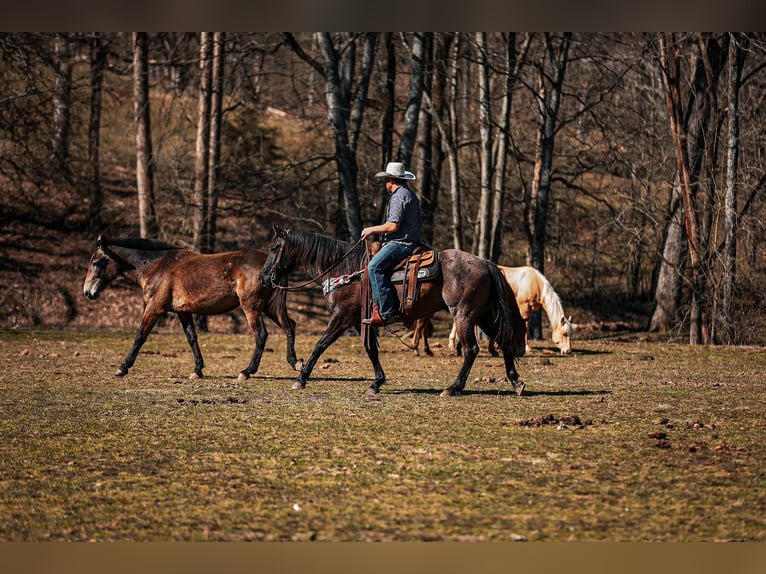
(138, 243)
(318, 252)
(552, 303)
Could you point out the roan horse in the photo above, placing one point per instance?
(472, 288)
(185, 282)
(532, 291)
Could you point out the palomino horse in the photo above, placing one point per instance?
(532, 291)
(473, 290)
(185, 282)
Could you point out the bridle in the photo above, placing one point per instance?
(314, 280)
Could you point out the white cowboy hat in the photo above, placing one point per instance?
(395, 169)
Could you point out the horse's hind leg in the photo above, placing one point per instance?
(511, 373)
(467, 336)
(260, 333)
(187, 322)
(280, 317)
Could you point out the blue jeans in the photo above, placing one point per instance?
(380, 269)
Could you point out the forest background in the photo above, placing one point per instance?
(628, 168)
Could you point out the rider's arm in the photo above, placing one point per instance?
(387, 227)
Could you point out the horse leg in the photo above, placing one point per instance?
(416, 331)
(187, 322)
(454, 343)
(277, 312)
(260, 333)
(373, 355)
(492, 348)
(335, 328)
(426, 346)
(147, 324)
(467, 337)
(511, 373)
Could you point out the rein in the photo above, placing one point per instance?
(314, 280)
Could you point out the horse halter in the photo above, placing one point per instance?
(277, 263)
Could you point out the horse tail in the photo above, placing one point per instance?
(510, 332)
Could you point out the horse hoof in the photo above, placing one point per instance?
(194, 376)
(447, 393)
(519, 387)
(297, 386)
(371, 391)
(298, 366)
(243, 376)
(120, 373)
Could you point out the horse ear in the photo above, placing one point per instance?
(101, 240)
(570, 319)
(278, 231)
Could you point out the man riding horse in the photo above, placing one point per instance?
(402, 232)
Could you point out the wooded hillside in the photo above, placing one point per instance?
(629, 168)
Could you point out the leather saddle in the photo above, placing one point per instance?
(421, 266)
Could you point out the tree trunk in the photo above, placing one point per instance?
(202, 154)
(387, 117)
(735, 64)
(97, 65)
(484, 216)
(216, 117)
(338, 78)
(667, 292)
(450, 138)
(144, 158)
(501, 155)
(692, 145)
(536, 206)
(414, 98)
(62, 106)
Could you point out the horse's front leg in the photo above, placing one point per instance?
(338, 324)
(187, 322)
(147, 324)
(467, 337)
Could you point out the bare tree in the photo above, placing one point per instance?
(511, 73)
(202, 153)
(484, 215)
(551, 69)
(144, 157)
(216, 119)
(446, 118)
(98, 54)
(692, 143)
(736, 60)
(62, 105)
(414, 97)
(337, 69)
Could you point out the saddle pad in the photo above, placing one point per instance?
(429, 267)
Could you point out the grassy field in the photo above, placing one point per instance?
(622, 441)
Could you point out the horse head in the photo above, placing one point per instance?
(277, 263)
(562, 335)
(102, 270)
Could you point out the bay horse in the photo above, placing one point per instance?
(532, 291)
(185, 282)
(473, 290)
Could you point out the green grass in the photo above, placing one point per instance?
(155, 456)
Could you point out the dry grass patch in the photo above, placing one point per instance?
(673, 448)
